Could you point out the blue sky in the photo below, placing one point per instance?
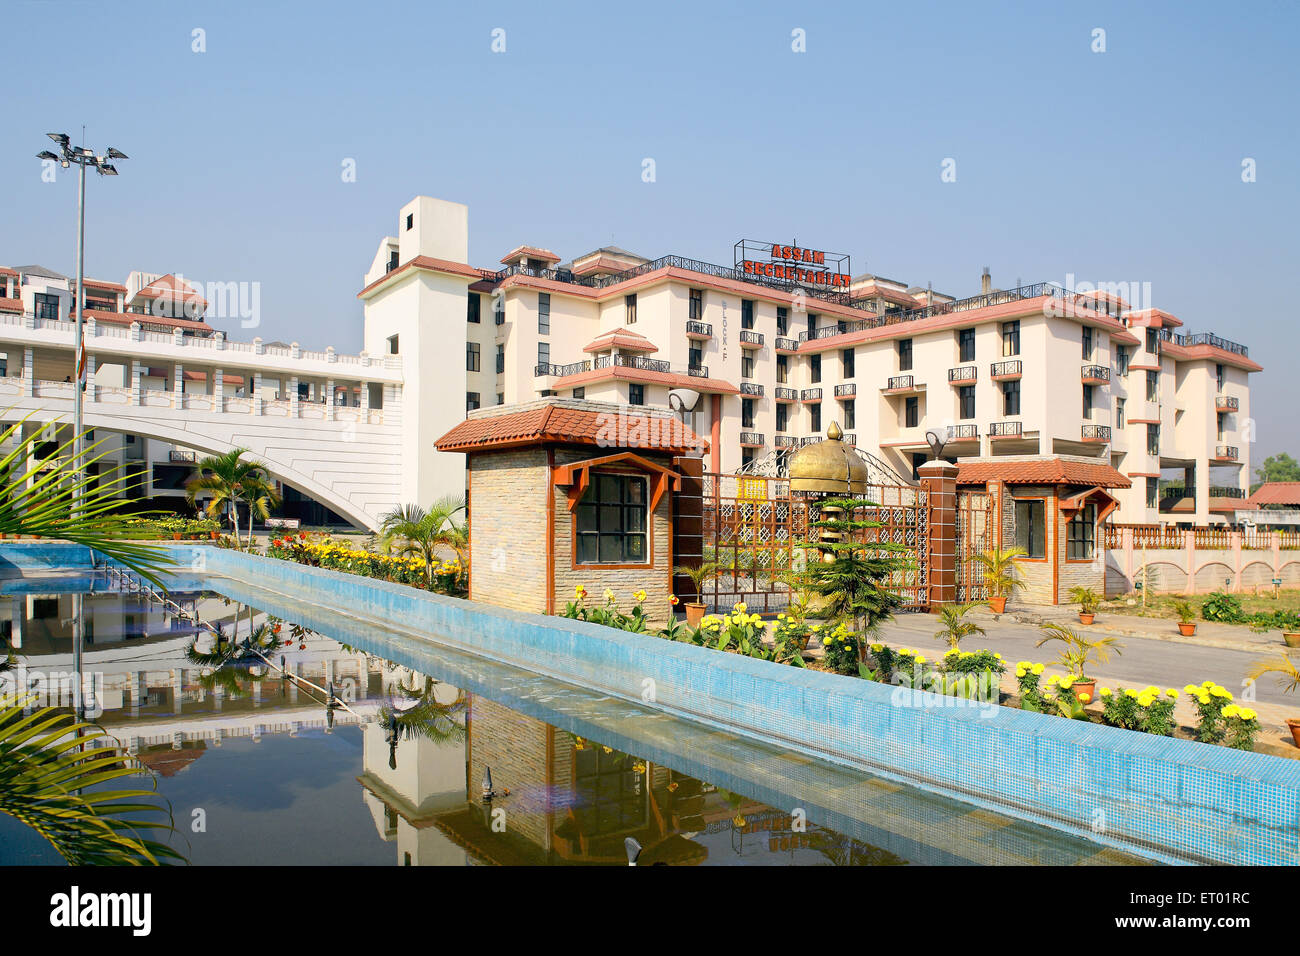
(1115, 166)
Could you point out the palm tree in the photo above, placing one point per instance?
(228, 479)
(955, 624)
(700, 575)
(411, 529)
(1288, 675)
(999, 566)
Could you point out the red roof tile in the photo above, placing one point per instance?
(10, 305)
(532, 252)
(623, 339)
(147, 321)
(1274, 493)
(1040, 471)
(618, 427)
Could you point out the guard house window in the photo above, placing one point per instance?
(1087, 341)
(747, 364)
(629, 309)
(1153, 492)
(966, 401)
(904, 355)
(544, 313)
(782, 369)
(472, 308)
(1031, 529)
(46, 305)
(782, 320)
(501, 359)
(543, 353)
(1010, 398)
(966, 345)
(696, 357)
(847, 357)
(636, 394)
(471, 357)
(612, 521)
(782, 417)
(471, 401)
(746, 313)
(746, 413)
(815, 418)
(1087, 402)
(850, 415)
(1010, 338)
(815, 369)
(695, 310)
(911, 412)
(1153, 386)
(1119, 413)
(1080, 534)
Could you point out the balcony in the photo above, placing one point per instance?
(809, 440)
(1095, 375)
(559, 371)
(964, 375)
(785, 394)
(1226, 453)
(810, 395)
(751, 388)
(963, 432)
(1005, 371)
(699, 330)
(182, 456)
(1006, 430)
(848, 390)
(751, 338)
(646, 364)
(785, 441)
(1226, 403)
(787, 346)
(850, 438)
(751, 440)
(901, 383)
(1226, 491)
(1097, 433)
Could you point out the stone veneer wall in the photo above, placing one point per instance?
(507, 492)
(516, 747)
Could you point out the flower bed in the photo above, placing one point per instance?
(321, 551)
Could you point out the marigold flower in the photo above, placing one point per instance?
(1084, 697)
(1105, 692)
(673, 600)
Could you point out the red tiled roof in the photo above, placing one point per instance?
(10, 305)
(532, 252)
(1274, 493)
(6, 271)
(1040, 471)
(171, 288)
(646, 377)
(126, 318)
(552, 423)
(623, 339)
(108, 286)
(428, 263)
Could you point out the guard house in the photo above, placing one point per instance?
(565, 492)
(1053, 508)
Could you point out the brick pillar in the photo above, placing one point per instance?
(688, 523)
(939, 479)
(715, 433)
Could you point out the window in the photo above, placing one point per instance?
(1219, 419)
(392, 345)
(1153, 386)
(1087, 341)
(1153, 492)
(782, 369)
(966, 401)
(1119, 413)
(471, 401)
(746, 413)
(410, 221)
(911, 412)
(812, 323)
(499, 312)
(611, 525)
(1010, 338)
(1153, 439)
(746, 313)
(501, 398)
(543, 313)
(782, 417)
(1121, 360)
(695, 308)
(636, 394)
(1087, 402)
(747, 364)
(472, 308)
(815, 368)
(392, 260)
(471, 357)
(850, 415)
(1218, 377)
(746, 456)
(629, 309)
(1080, 534)
(1153, 341)
(815, 418)
(501, 359)
(1011, 398)
(543, 353)
(782, 320)
(904, 355)
(966, 345)
(580, 392)
(847, 358)
(696, 357)
(1031, 529)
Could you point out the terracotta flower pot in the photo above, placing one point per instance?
(176, 535)
(1186, 628)
(1086, 618)
(694, 613)
(1294, 724)
(998, 604)
(212, 535)
(1088, 687)
(1291, 638)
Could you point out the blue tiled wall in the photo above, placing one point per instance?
(1167, 798)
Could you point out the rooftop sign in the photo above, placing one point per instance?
(793, 263)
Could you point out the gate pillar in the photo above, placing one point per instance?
(939, 479)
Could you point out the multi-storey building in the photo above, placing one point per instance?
(1037, 369)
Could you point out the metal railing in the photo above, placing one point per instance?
(699, 328)
(1096, 433)
(964, 431)
(1096, 373)
(1228, 452)
(751, 388)
(785, 394)
(751, 438)
(850, 438)
(786, 345)
(1226, 491)
(847, 390)
(1227, 402)
(899, 382)
(1006, 429)
(558, 371)
(1186, 339)
(750, 337)
(964, 373)
(810, 395)
(1003, 369)
(785, 441)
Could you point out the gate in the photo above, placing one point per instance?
(974, 534)
(753, 528)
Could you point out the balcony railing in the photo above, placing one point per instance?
(1226, 452)
(1204, 338)
(558, 371)
(847, 390)
(785, 394)
(751, 388)
(1226, 491)
(751, 439)
(900, 383)
(785, 441)
(1008, 369)
(964, 431)
(962, 374)
(1095, 374)
(786, 345)
(1096, 433)
(1226, 403)
(699, 330)
(182, 456)
(750, 337)
(850, 438)
(810, 395)
(1006, 429)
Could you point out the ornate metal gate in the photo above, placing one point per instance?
(974, 534)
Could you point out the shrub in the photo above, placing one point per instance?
(843, 648)
(791, 635)
(1242, 726)
(1119, 708)
(1028, 675)
(1225, 608)
(1210, 700)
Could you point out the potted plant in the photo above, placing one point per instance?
(999, 566)
(699, 574)
(1087, 600)
(1288, 677)
(956, 625)
(1078, 650)
(1186, 618)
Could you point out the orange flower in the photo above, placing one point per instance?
(672, 599)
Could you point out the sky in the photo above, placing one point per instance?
(1102, 157)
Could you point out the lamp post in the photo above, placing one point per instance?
(80, 156)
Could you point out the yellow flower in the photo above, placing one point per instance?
(1245, 713)
(826, 641)
(1105, 692)
(1171, 693)
(1038, 669)
(640, 596)
(1231, 710)
(1130, 693)
(1191, 688)
(1203, 698)
(1084, 697)
(1020, 672)
(877, 648)
(739, 606)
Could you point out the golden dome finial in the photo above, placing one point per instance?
(834, 432)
